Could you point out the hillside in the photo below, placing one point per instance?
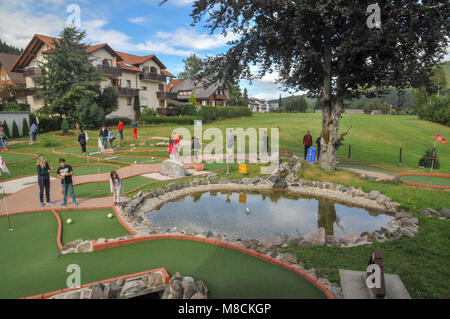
(391, 97)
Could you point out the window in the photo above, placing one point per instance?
(107, 62)
(128, 83)
(153, 70)
(128, 100)
(7, 77)
(144, 88)
(96, 61)
(3, 77)
(204, 102)
(144, 103)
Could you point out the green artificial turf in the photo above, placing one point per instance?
(102, 189)
(30, 265)
(438, 181)
(11, 157)
(90, 224)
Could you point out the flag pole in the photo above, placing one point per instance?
(432, 161)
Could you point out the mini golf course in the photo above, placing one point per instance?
(102, 189)
(89, 225)
(424, 180)
(92, 169)
(30, 264)
(12, 157)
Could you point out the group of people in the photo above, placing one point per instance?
(308, 143)
(65, 173)
(106, 135)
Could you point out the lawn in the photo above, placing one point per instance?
(102, 189)
(30, 264)
(90, 224)
(438, 181)
(12, 158)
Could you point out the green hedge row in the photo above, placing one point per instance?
(185, 120)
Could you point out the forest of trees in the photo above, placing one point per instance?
(6, 48)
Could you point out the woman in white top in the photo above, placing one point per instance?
(115, 184)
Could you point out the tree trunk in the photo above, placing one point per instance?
(330, 129)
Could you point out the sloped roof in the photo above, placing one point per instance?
(136, 59)
(167, 73)
(93, 48)
(173, 83)
(7, 62)
(197, 88)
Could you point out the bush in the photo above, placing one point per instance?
(213, 113)
(25, 128)
(188, 109)
(114, 121)
(185, 120)
(426, 160)
(15, 107)
(437, 111)
(47, 124)
(15, 130)
(65, 126)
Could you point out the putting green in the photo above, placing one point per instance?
(90, 224)
(30, 266)
(419, 179)
(91, 169)
(12, 158)
(102, 189)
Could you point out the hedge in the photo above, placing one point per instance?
(206, 114)
(25, 127)
(185, 120)
(47, 124)
(114, 121)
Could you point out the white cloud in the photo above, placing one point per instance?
(138, 20)
(189, 38)
(181, 2)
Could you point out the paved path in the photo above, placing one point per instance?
(27, 199)
(378, 175)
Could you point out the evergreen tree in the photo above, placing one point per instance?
(280, 102)
(6, 129)
(6, 48)
(89, 114)
(64, 127)
(245, 97)
(70, 75)
(15, 130)
(193, 100)
(25, 127)
(137, 108)
(108, 101)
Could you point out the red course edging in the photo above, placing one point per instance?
(424, 185)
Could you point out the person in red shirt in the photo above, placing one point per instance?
(120, 127)
(307, 143)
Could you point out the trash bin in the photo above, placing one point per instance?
(311, 155)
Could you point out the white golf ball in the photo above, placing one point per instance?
(69, 221)
(110, 215)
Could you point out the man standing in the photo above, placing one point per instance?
(104, 136)
(120, 127)
(65, 173)
(33, 132)
(82, 140)
(307, 143)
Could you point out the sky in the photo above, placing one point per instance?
(139, 27)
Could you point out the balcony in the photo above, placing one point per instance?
(126, 91)
(110, 71)
(33, 72)
(32, 91)
(220, 97)
(169, 95)
(150, 76)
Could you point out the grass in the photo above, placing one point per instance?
(422, 262)
(90, 224)
(11, 157)
(95, 190)
(227, 273)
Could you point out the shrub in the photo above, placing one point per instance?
(25, 128)
(47, 124)
(16, 107)
(65, 126)
(114, 121)
(185, 120)
(15, 130)
(426, 160)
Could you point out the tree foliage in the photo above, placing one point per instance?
(15, 130)
(108, 101)
(192, 67)
(296, 104)
(70, 75)
(6, 48)
(326, 48)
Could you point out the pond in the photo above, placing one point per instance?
(261, 215)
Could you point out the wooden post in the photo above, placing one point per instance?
(400, 157)
(349, 152)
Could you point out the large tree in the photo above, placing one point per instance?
(329, 48)
(192, 67)
(71, 80)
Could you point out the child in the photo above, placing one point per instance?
(171, 149)
(65, 173)
(111, 138)
(115, 184)
(134, 126)
(43, 172)
(3, 139)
